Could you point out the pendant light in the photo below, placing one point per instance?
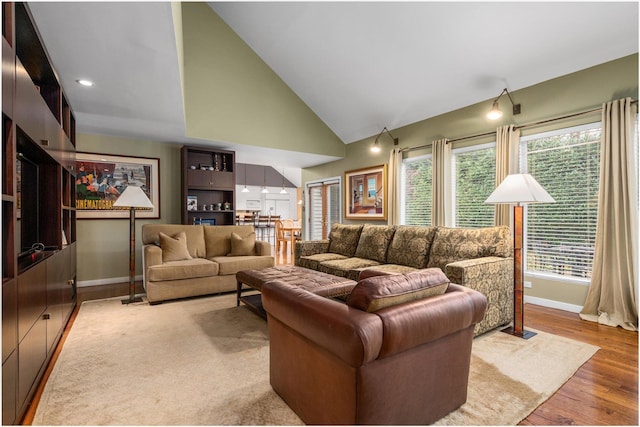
(283, 191)
(245, 189)
(264, 187)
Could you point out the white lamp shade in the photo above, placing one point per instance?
(519, 188)
(133, 197)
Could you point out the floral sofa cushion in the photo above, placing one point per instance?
(343, 239)
(410, 246)
(313, 261)
(348, 267)
(374, 241)
(457, 244)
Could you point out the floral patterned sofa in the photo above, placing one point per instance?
(478, 258)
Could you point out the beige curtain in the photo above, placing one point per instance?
(507, 145)
(393, 199)
(611, 299)
(441, 160)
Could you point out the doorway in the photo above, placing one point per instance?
(324, 207)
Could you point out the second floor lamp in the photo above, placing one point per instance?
(518, 189)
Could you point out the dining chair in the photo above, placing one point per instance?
(248, 219)
(280, 238)
(263, 226)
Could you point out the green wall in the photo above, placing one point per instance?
(231, 95)
(103, 245)
(573, 93)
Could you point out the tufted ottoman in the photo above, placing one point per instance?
(326, 285)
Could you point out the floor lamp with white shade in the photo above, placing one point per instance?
(133, 198)
(518, 189)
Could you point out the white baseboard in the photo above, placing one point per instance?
(108, 281)
(553, 304)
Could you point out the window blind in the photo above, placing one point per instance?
(560, 237)
(416, 191)
(315, 213)
(474, 179)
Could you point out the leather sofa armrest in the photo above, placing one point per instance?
(421, 321)
(483, 274)
(309, 247)
(263, 248)
(350, 334)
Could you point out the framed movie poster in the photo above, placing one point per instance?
(101, 178)
(365, 193)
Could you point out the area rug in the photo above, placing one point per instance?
(205, 361)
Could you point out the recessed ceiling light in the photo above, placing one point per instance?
(85, 82)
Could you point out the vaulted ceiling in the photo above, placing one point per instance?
(359, 66)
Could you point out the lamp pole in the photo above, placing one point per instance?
(518, 279)
(518, 189)
(132, 258)
(132, 197)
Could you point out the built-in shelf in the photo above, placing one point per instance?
(38, 213)
(208, 186)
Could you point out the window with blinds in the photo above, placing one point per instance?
(315, 213)
(324, 208)
(474, 179)
(416, 191)
(560, 236)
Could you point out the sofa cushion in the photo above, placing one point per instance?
(231, 265)
(174, 248)
(343, 239)
(346, 267)
(374, 241)
(384, 269)
(218, 238)
(410, 246)
(313, 261)
(242, 246)
(187, 269)
(378, 292)
(458, 244)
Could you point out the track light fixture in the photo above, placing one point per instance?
(495, 112)
(376, 148)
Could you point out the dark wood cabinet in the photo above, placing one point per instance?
(208, 186)
(38, 210)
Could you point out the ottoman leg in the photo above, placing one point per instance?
(239, 292)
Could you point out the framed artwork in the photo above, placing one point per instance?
(365, 192)
(101, 178)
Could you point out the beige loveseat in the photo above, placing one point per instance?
(181, 261)
(480, 259)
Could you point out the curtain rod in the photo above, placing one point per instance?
(542, 122)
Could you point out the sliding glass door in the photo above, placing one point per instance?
(323, 207)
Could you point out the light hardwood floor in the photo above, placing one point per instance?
(604, 391)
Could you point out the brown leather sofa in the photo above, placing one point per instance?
(406, 363)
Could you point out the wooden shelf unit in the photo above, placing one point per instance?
(210, 176)
(38, 208)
